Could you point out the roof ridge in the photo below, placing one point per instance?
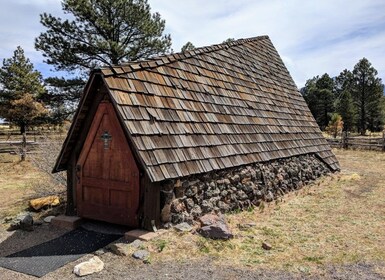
(172, 57)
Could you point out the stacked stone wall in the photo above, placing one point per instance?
(185, 200)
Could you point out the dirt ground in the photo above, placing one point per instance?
(333, 229)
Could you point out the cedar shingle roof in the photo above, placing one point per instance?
(212, 108)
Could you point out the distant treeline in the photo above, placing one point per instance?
(356, 97)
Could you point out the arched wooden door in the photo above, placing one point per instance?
(108, 177)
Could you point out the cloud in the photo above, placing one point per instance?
(313, 37)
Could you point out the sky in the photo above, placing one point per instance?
(313, 37)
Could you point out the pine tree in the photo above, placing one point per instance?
(187, 47)
(344, 101)
(103, 32)
(318, 93)
(21, 86)
(367, 94)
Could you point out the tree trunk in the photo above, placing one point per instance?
(23, 151)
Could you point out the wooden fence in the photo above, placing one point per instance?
(358, 142)
(10, 141)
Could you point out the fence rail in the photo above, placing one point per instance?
(358, 142)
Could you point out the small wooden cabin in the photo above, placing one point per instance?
(214, 108)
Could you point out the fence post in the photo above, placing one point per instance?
(383, 140)
(344, 140)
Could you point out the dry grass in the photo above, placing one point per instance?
(337, 220)
(19, 181)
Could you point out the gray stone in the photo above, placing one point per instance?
(207, 206)
(269, 196)
(216, 192)
(191, 191)
(48, 219)
(23, 221)
(196, 211)
(177, 218)
(215, 227)
(183, 227)
(224, 207)
(99, 252)
(226, 182)
(224, 193)
(220, 182)
(136, 243)
(120, 249)
(91, 266)
(189, 202)
(141, 254)
(241, 195)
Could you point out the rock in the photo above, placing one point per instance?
(235, 179)
(165, 214)
(136, 243)
(42, 202)
(220, 182)
(99, 252)
(177, 218)
(215, 227)
(183, 227)
(241, 195)
(226, 182)
(189, 202)
(120, 249)
(224, 193)
(191, 191)
(224, 207)
(141, 254)
(196, 211)
(269, 196)
(266, 246)
(23, 221)
(89, 267)
(48, 219)
(177, 206)
(207, 206)
(180, 192)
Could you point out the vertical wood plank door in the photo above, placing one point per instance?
(108, 176)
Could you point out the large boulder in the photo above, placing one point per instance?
(95, 264)
(214, 227)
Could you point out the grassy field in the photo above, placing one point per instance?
(337, 220)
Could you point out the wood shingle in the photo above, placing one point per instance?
(213, 108)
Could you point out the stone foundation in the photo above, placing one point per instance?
(184, 200)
